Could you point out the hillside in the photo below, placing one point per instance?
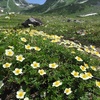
(52, 6)
(14, 5)
(68, 7)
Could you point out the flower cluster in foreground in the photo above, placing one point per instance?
(20, 63)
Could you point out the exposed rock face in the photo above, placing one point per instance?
(32, 21)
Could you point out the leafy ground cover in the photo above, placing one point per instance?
(45, 64)
(59, 25)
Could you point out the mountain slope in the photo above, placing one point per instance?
(90, 6)
(58, 4)
(52, 6)
(14, 5)
(68, 6)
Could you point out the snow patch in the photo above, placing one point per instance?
(17, 4)
(91, 14)
(82, 2)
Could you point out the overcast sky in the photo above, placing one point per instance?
(36, 1)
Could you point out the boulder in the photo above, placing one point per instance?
(32, 21)
(69, 20)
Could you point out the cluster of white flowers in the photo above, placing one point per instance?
(85, 75)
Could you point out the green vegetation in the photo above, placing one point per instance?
(59, 25)
(52, 61)
(52, 6)
(67, 7)
(10, 6)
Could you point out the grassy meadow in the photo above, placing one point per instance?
(59, 60)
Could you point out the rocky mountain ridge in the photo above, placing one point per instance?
(15, 5)
(52, 6)
(68, 6)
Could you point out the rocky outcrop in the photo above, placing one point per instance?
(32, 22)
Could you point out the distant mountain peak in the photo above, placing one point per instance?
(14, 5)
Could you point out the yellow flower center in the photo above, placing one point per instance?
(83, 68)
(9, 53)
(96, 53)
(37, 48)
(20, 58)
(84, 76)
(7, 65)
(98, 83)
(23, 39)
(57, 83)
(17, 71)
(53, 65)
(35, 65)
(28, 46)
(41, 72)
(79, 58)
(75, 74)
(20, 94)
(67, 90)
(89, 74)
